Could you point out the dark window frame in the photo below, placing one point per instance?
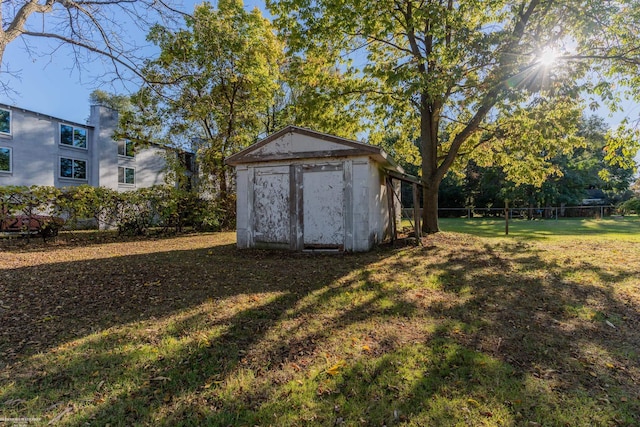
(128, 149)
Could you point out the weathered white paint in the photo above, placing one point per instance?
(292, 143)
(324, 208)
(244, 225)
(271, 205)
(302, 201)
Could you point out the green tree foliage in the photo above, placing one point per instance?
(27, 200)
(471, 79)
(79, 204)
(119, 103)
(211, 85)
(635, 187)
(318, 94)
(587, 168)
(29, 209)
(631, 206)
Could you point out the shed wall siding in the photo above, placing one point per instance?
(291, 143)
(373, 202)
(311, 202)
(244, 189)
(362, 193)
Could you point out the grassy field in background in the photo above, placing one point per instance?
(624, 228)
(465, 330)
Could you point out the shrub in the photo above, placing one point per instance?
(131, 212)
(630, 206)
(29, 210)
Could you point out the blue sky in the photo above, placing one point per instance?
(48, 85)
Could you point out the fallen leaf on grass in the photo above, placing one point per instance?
(335, 369)
(161, 379)
(473, 402)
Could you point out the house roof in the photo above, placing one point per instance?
(255, 154)
(46, 116)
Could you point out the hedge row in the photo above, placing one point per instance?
(131, 212)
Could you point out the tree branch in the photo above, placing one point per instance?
(490, 99)
(16, 27)
(90, 48)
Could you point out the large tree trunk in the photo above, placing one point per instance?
(430, 209)
(430, 179)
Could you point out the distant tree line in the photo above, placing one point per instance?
(588, 173)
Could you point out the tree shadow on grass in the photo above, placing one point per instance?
(79, 239)
(507, 348)
(74, 328)
(455, 333)
(568, 343)
(48, 304)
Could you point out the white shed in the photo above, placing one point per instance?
(299, 189)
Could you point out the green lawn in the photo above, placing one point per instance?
(626, 228)
(462, 331)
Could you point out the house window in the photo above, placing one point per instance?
(5, 121)
(5, 159)
(73, 168)
(126, 175)
(125, 148)
(73, 136)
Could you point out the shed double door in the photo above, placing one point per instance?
(300, 207)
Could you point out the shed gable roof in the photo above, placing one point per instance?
(308, 144)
